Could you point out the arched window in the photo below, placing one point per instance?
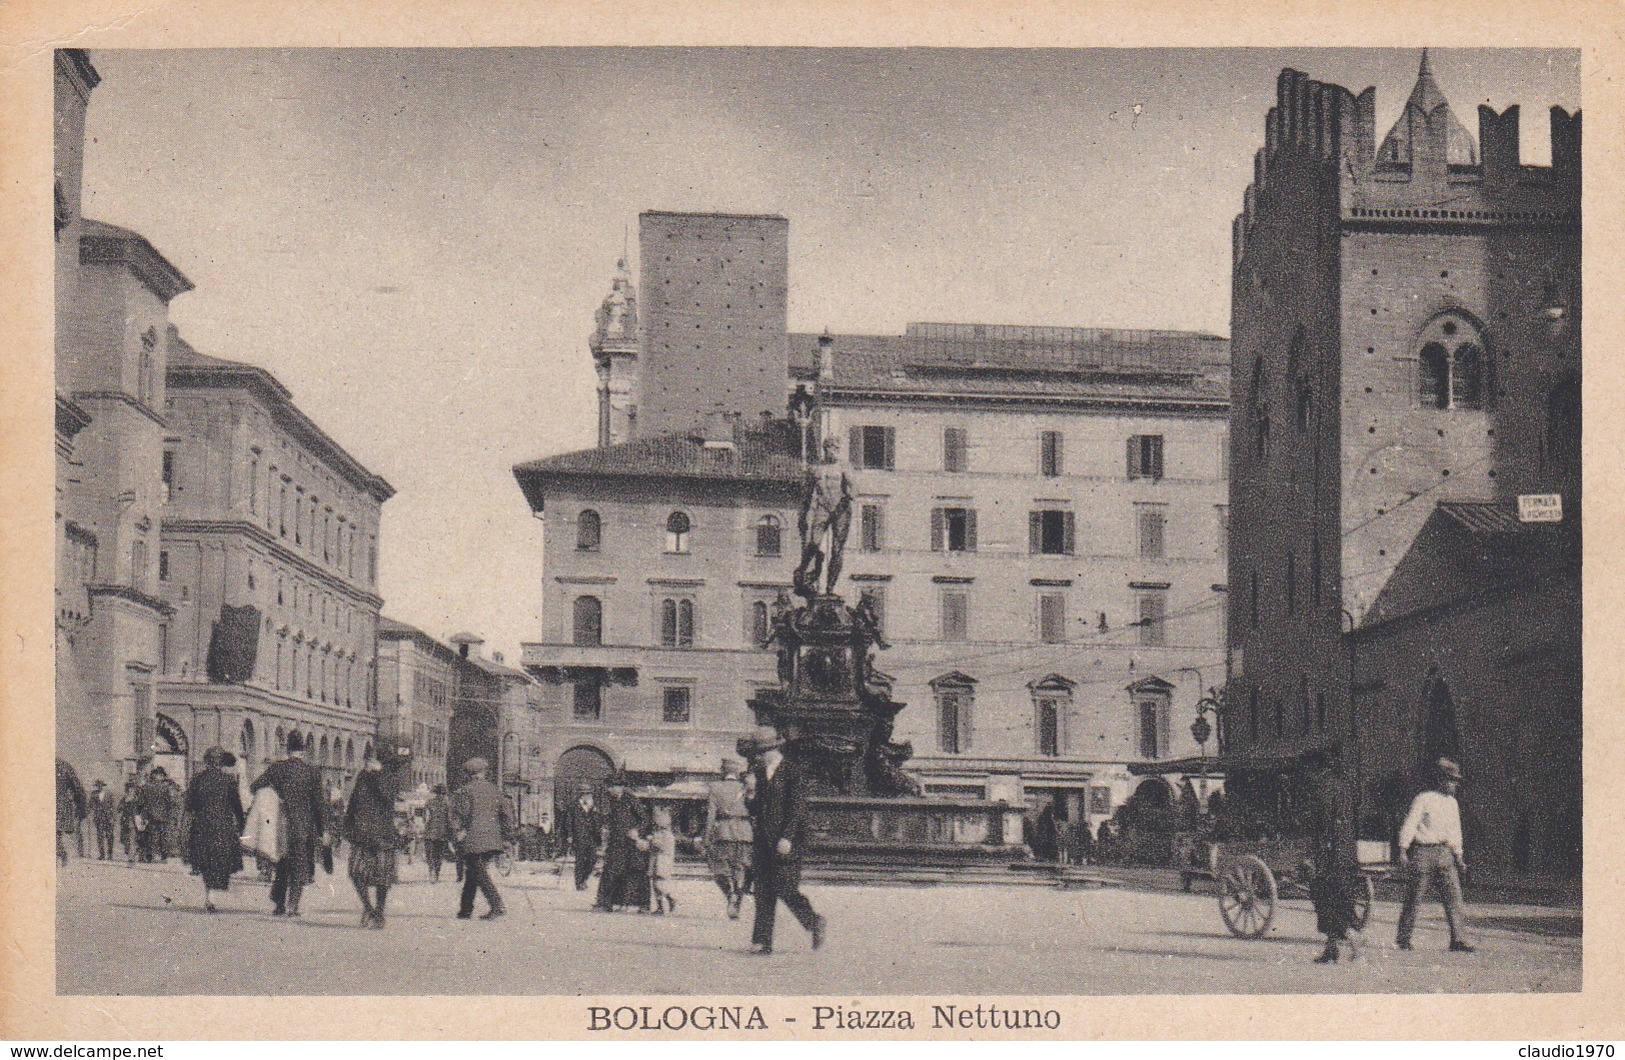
(768, 536)
(589, 530)
(589, 621)
(677, 530)
(1451, 364)
(677, 623)
(1563, 427)
(761, 623)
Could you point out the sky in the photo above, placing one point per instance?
(415, 241)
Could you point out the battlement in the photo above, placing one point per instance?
(1318, 130)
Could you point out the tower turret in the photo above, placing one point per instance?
(614, 346)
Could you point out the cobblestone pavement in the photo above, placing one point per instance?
(141, 929)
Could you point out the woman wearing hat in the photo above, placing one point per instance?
(369, 824)
(215, 810)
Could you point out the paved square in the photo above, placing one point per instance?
(141, 930)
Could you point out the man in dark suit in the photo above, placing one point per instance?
(586, 826)
(304, 807)
(483, 823)
(157, 809)
(777, 800)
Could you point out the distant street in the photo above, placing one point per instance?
(141, 930)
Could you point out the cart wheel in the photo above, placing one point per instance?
(1247, 896)
(1364, 895)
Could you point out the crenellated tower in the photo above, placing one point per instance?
(1404, 332)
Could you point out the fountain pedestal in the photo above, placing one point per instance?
(834, 710)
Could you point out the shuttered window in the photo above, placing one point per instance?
(1153, 605)
(955, 614)
(1145, 456)
(954, 705)
(1052, 618)
(872, 447)
(871, 528)
(955, 449)
(1051, 532)
(953, 530)
(588, 621)
(1050, 455)
(1150, 518)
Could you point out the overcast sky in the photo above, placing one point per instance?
(414, 242)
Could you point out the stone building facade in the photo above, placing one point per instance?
(417, 682)
(1039, 516)
(113, 290)
(193, 493)
(265, 511)
(1406, 338)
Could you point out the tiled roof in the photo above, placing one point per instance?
(1487, 518)
(758, 456)
(995, 361)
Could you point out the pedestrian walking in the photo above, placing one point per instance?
(436, 831)
(156, 810)
(71, 807)
(661, 845)
(1336, 860)
(129, 811)
(370, 827)
(483, 823)
(299, 786)
(215, 810)
(103, 812)
(174, 837)
(777, 796)
(403, 836)
(728, 835)
(586, 825)
(1430, 845)
(624, 879)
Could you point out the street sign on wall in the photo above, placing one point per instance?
(1540, 507)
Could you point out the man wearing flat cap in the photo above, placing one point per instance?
(483, 823)
(1431, 848)
(778, 809)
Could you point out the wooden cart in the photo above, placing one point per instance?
(1253, 877)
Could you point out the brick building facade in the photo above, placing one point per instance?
(1405, 338)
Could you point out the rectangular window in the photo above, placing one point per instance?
(254, 485)
(168, 477)
(955, 449)
(873, 447)
(953, 530)
(372, 562)
(871, 528)
(1052, 618)
(1050, 456)
(1145, 456)
(1151, 742)
(138, 566)
(758, 623)
(953, 720)
(1051, 532)
(955, 614)
(587, 700)
(674, 708)
(1153, 606)
(1049, 726)
(163, 565)
(1150, 519)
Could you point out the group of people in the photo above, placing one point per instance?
(147, 822)
(755, 835)
(1431, 854)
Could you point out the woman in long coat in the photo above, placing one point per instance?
(369, 824)
(216, 813)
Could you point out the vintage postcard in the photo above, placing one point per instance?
(941, 532)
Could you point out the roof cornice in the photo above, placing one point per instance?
(839, 395)
(276, 546)
(105, 244)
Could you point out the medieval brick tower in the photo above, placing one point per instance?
(1405, 332)
(713, 319)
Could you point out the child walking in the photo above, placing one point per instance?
(662, 847)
